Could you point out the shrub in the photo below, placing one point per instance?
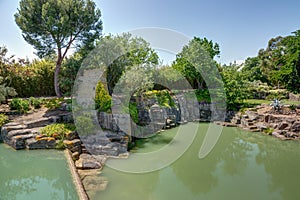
(277, 94)
(133, 110)
(102, 98)
(293, 107)
(20, 105)
(35, 103)
(5, 91)
(53, 103)
(84, 124)
(203, 95)
(3, 119)
(268, 131)
(34, 79)
(60, 129)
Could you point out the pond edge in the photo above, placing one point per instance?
(76, 178)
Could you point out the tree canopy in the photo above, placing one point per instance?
(278, 64)
(204, 48)
(58, 25)
(137, 53)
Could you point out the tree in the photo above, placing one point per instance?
(57, 26)
(137, 52)
(196, 49)
(280, 62)
(235, 85)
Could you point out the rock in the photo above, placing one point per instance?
(75, 156)
(283, 125)
(87, 161)
(295, 127)
(38, 122)
(278, 135)
(73, 145)
(18, 142)
(42, 143)
(291, 135)
(71, 135)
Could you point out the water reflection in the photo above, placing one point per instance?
(243, 165)
(34, 175)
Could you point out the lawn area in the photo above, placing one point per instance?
(262, 101)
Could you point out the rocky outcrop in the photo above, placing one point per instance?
(24, 131)
(264, 119)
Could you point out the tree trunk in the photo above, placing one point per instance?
(56, 73)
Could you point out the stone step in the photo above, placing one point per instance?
(250, 123)
(252, 127)
(39, 122)
(42, 143)
(18, 142)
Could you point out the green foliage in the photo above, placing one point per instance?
(3, 119)
(163, 97)
(5, 91)
(84, 124)
(35, 79)
(20, 105)
(56, 25)
(167, 76)
(35, 102)
(198, 51)
(137, 53)
(235, 85)
(102, 98)
(277, 94)
(133, 112)
(268, 131)
(280, 62)
(258, 89)
(69, 71)
(293, 107)
(53, 103)
(203, 95)
(60, 129)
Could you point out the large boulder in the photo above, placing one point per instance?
(87, 161)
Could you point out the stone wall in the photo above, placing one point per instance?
(153, 118)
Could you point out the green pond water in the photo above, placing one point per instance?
(242, 165)
(35, 175)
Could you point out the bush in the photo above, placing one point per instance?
(53, 103)
(5, 91)
(84, 124)
(134, 113)
(203, 95)
(277, 94)
(3, 119)
(102, 98)
(293, 107)
(20, 105)
(59, 129)
(35, 103)
(35, 79)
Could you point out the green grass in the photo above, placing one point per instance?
(262, 101)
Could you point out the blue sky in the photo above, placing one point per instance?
(240, 27)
